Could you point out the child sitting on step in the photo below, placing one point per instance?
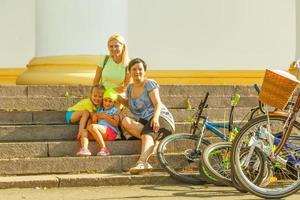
(105, 122)
(81, 112)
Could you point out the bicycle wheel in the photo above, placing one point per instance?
(176, 154)
(282, 177)
(208, 177)
(216, 159)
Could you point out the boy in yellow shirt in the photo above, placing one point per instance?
(81, 113)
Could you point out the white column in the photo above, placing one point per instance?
(17, 35)
(66, 27)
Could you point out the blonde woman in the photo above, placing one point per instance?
(111, 71)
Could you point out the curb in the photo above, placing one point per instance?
(80, 180)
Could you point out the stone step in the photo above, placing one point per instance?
(11, 150)
(84, 180)
(165, 90)
(62, 103)
(67, 165)
(56, 132)
(52, 132)
(58, 117)
(23, 98)
(38, 132)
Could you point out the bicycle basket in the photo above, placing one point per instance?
(277, 88)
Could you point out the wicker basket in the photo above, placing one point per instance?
(277, 88)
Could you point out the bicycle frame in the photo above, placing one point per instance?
(257, 141)
(214, 128)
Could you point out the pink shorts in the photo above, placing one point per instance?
(110, 134)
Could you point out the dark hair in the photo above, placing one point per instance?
(135, 61)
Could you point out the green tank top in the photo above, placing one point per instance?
(113, 74)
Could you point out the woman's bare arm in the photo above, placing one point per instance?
(123, 101)
(155, 99)
(98, 75)
(127, 80)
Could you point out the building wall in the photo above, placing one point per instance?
(67, 27)
(17, 35)
(213, 34)
(297, 56)
(169, 34)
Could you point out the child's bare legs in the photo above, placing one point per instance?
(81, 117)
(84, 143)
(97, 130)
(83, 137)
(84, 140)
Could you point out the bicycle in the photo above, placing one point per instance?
(281, 155)
(182, 162)
(215, 158)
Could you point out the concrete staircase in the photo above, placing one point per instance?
(35, 139)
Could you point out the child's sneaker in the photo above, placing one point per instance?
(84, 152)
(103, 152)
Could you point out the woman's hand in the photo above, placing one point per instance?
(155, 124)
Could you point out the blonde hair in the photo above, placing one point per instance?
(121, 40)
(97, 88)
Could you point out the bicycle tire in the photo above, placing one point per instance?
(258, 172)
(175, 162)
(209, 152)
(208, 177)
(281, 179)
(216, 160)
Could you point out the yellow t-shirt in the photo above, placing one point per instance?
(84, 104)
(113, 74)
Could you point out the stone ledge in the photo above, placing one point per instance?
(76, 165)
(81, 180)
(14, 150)
(41, 181)
(58, 117)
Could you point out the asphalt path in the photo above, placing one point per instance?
(136, 192)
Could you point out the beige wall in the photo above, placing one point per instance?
(213, 34)
(17, 32)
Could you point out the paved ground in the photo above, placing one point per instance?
(148, 192)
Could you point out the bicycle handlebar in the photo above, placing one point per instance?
(256, 88)
(235, 100)
(260, 104)
(202, 104)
